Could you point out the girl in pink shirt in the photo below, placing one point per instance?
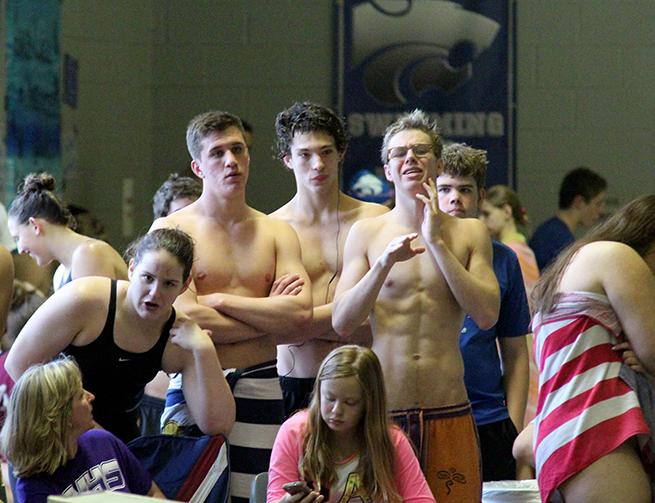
(342, 448)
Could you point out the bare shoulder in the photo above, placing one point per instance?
(185, 219)
(95, 249)
(274, 225)
(471, 228)
(603, 266)
(283, 213)
(88, 291)
(368, 226)
(604, 252)
(354, 209)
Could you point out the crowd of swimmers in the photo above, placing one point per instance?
(273, 330)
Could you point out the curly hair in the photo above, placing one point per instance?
(307, 117)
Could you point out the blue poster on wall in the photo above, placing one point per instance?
(451, 59)
(32, 94)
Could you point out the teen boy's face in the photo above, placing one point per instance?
(224, 160)
(314, 160)
(593, 210)
(458, 195)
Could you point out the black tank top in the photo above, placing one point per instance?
(117, 377)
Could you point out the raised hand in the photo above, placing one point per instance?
(400, 249)
(287, 284)
(187, 334)
(432, 217)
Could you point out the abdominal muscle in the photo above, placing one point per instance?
(417, 342)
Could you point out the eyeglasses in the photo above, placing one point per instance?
(419, 149)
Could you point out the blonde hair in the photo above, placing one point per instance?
(377, 453)
(36, 431)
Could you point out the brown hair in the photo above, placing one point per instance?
(203, 125)
(459, 159)
(632, 225)
(501, 195)
(36, 199)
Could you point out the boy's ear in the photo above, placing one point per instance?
(387, 173)
(195, 167)
(287, 162)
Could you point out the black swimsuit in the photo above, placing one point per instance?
(117, 377)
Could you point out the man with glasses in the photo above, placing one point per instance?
(416, 271)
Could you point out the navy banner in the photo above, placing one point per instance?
(451, 59)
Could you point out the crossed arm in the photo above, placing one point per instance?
(285, 315)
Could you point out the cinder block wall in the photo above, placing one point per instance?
(585, 73)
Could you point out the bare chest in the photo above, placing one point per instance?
(239, 260)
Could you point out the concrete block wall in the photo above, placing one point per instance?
(585, 78)
(585, 70)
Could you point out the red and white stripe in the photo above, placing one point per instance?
(584, 409)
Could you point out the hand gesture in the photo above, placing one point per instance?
(629, 357)
(186, 333)
(400, 249)
(287, 284)
(432, 217)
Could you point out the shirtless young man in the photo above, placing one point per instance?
(416, 271)
(311, 141)
(246, 265)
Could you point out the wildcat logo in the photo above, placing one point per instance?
(421, 45)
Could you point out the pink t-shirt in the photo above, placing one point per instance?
(410, 482)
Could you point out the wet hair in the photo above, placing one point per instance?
(583, 182)
(36, 199)
(208, 123)
(36, 431)
(175, 187)
(307, 117)
(632, 225)
(459, 159)
(176, 242)
(376, 456)
(417, 119)
(501, 195)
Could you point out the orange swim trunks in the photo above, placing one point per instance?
(446, 441)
